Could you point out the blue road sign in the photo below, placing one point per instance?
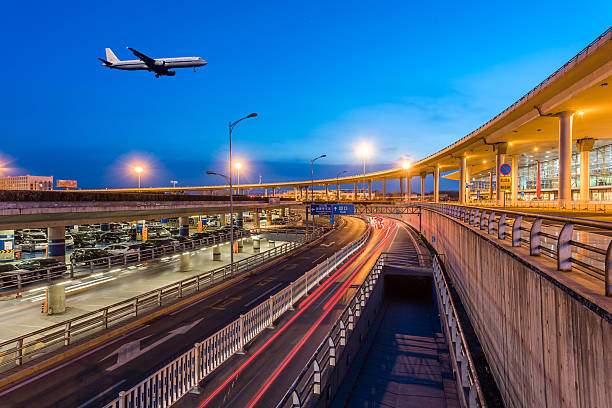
(344, 209)
(331, 219)
(321, 209)
(505, 169)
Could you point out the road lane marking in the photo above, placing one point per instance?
(257, 299)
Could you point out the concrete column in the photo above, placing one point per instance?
(436, 184)
(338, 192)
(514, 189)
(105, 227)
(423, 175)
(565, 157)
(217, 253)
(384, 189)
(256, 246)
(239, 219)
(222, 220)
(273, 191)
(184, 226)
(256, 222)
(499, 160)
(271, 244)
(56, 299)
(538, 181)
(265, 192)
(490, 185)
(164, 221)
(240, 244)
(584, 147)
(7, 243)
(185, 262)
(74, 228)
(327, 192)
(462, 165)
(468, 180)
(369, 189)
(139, 226)
(401, 187)
(295, 190)
(408, 187)
(355, 191)
(56, 239)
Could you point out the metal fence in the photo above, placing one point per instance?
(307, 387)
(467, 379)
(33, 345)
(556, 239)
(168, 384)
(14, 283)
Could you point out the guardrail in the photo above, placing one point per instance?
(14, 283)
(29, 346)
(463, 365)
(560, 243)
(168, 384)
(309, 384)
(597, 206)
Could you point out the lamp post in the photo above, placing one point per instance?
(338, 184)
(174, 183)
(138, 171)
(231, 127)
(364, 151)
(238, 166)
(406, 166)
(312, 189)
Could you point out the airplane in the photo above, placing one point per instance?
(161, 66)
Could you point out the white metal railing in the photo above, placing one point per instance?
(467, 379)
(557, 242)
(32, 345)
(168, 384)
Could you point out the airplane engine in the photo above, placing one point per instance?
(160, 63)
(171, 73)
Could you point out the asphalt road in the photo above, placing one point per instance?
(76, 382)
(262, 376)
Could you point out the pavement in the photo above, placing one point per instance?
(23, 315)
(96, 376)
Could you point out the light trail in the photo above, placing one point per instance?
(312, 297)
(311, 330)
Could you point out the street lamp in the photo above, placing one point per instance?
(139, 171)
(364, 151)
(312, 190)
(238, 166)
(231, 127)
(406, 166)
(174, 183)
(338, 184)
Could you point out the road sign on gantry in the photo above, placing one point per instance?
(344, 209)
(505, 169)
(321, 209)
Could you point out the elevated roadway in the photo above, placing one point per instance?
(96, 376)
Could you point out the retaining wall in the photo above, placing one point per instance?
(547, 344)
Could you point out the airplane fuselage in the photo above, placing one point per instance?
(162, 63)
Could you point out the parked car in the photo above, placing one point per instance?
(69, 241)
(87, 254)
(36, 264)
(113, 237)
(83, 240)
(120, 249)
(8, 274)
(182, 238)
(157, 232)
(34, 244)
(159, 242)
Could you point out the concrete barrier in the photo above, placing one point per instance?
(547, 340)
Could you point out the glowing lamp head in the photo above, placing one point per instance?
(364, 150)
(138, 169)
(405, 165)
(238, 166)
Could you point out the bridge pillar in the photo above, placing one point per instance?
(105, 227)
(295, 191)
(514, 189)
(217, 253)
(462, 164)
(184, 226)
(185, 262)
(436, 191)
(338, 192)
(491, 186)
(408, 187)
(565, 157)
(384, 189)
(256, 222)
(56, 243)
(273, 191)
(265, 192)
(327, 192)
(369, 189)
(355, 191)
(402, 186)
(423, 175)
(584, 147)
(7, 245)
(256, 245)
(500, 157)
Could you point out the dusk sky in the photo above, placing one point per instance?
(409, 78)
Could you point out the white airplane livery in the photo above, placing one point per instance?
(161, 66)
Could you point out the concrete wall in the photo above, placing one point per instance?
(546, 343)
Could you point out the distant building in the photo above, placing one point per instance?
(26, 183)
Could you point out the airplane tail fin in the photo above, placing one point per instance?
(110, 56)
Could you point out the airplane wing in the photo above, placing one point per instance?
(150, 62)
